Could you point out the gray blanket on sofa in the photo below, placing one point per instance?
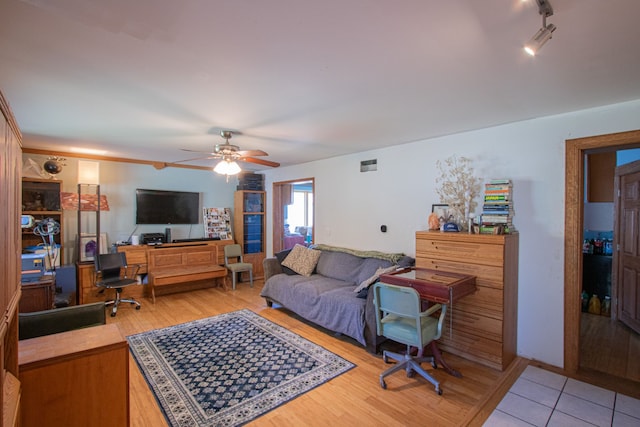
(327, 297)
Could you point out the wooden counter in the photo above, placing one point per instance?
(75, 378)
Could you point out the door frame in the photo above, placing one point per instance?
(575, 152)
(279, 199)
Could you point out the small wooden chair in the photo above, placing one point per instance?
(234, 252)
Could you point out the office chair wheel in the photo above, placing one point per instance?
(385, 359)
(113, 314)
(383, 384)
(439, 391)
(434, 364)
(138, 307)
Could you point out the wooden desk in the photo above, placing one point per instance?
(75, 378)
(38, 295)
(435, 286)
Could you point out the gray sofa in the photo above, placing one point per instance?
(327, 297)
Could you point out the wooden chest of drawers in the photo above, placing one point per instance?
(484, 325)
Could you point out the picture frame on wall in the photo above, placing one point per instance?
(441, 210)
(217, 223)
(88, 245)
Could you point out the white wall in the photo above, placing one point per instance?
(598, 216)
(351, 206)
(118, 181)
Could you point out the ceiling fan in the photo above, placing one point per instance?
(228, 154)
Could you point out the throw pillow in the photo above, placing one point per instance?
(302, 260)
(379, 272)
(281, 256)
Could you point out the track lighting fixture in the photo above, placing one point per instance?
(544, 33)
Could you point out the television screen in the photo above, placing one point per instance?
(167, 207)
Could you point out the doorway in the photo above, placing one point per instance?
(293, 213)
(576, 150)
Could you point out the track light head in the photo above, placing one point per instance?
(544, 33)
(539, 39)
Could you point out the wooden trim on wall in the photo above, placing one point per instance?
(575, 152)
(282, 195)
(157, 165)
(9, 117)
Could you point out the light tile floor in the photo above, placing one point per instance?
(543, 398)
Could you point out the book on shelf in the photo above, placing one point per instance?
(496, 229)
(496, 217)
(499, 181)
(497, 207)
(496, 222)
(498, 212)
(497, 197)
(501, 213)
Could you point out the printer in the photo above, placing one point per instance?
(152, 238)
(33, 267)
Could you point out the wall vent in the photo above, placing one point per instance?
(369, 165)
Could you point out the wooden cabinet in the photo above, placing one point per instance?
(38, 295)
(249, 225)
(75, 378)
(484, 325)
(136, 254)
(41, 200)
(10, 248)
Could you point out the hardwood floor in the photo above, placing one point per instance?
(354, 398)
(609, 346)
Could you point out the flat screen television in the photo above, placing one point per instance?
(167, 207)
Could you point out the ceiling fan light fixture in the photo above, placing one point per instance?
(227, 167)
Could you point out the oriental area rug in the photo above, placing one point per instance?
(229, 369)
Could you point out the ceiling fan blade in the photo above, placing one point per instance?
(251, 153)
(259, 161)
(210, 156)
(208, 153)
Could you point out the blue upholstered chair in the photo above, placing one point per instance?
(399, 318)
(235, 264)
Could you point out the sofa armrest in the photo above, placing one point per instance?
(271, 267)
(63, 319)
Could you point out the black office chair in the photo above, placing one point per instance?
(112, 272)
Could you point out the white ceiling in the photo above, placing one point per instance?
(300, 79)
